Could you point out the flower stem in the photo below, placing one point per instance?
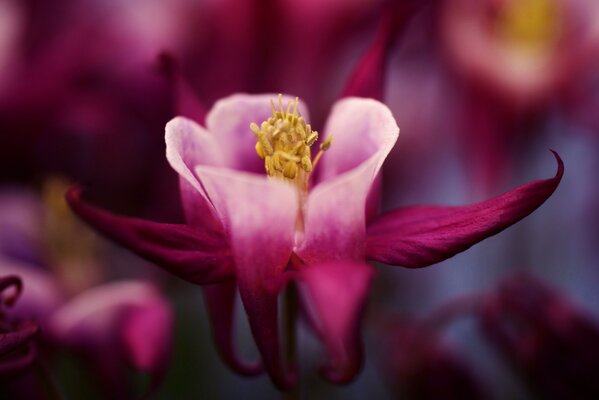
(290, 329)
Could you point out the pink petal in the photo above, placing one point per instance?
(198, 256)
(260, 216)
(364, 132)
(229, 121)
(187, 145)
(334, 295)
(419, 236)
(220, 302)
(146, 335)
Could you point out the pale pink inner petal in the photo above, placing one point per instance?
(360, 128)
(259, 214)
(334, 216)
(229, 121)
(187, 145)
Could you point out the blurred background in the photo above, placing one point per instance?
(481, 90)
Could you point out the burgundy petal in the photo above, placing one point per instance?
(220, 302)
(194, 255)
(368, 78)
(185, 101)
(333, 295)
(419, 236)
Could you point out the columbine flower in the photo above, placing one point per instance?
(304, 219)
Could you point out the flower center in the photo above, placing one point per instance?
(284, 141)
(529, 24)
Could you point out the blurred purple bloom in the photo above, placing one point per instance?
(241, 227)
(552, 343)
(421, 364)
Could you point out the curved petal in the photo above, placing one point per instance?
(220, 302)
(8, 282)
(185, 101)
(187, 145)
(198, 256)
(419, 236)
(334, 295)
(334, 220)
(229, 121)
(260, 216)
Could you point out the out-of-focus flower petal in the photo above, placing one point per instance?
(259, 215)
(191, 254)
(364, 132)
(334, 295)
(146, 335)
(220, 302)
(368, 78)
(421, 365)
(40, 296)
(229, 122)
(185, 101)
(8, 282)
(16, 350)
(419, 236)
(554, 344)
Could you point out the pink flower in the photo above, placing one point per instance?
(522, 51)
(307, 222)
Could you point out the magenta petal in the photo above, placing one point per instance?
(146, 335)
(259, 215)
(198, 256)
(334, 295)
(419, 236)
(220, 302)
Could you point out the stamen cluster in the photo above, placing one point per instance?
(284, 141)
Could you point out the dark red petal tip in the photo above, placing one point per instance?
(419, 236)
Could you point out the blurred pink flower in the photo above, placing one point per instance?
(254, 233)
(523, 51)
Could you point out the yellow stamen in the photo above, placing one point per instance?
(283, 141)
(530, 24)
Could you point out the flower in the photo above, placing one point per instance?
(306, 223)
(521, 51)
(115, 325)
(549, 340)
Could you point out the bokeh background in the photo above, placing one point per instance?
(481, 90)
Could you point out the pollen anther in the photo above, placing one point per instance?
(283, 141)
